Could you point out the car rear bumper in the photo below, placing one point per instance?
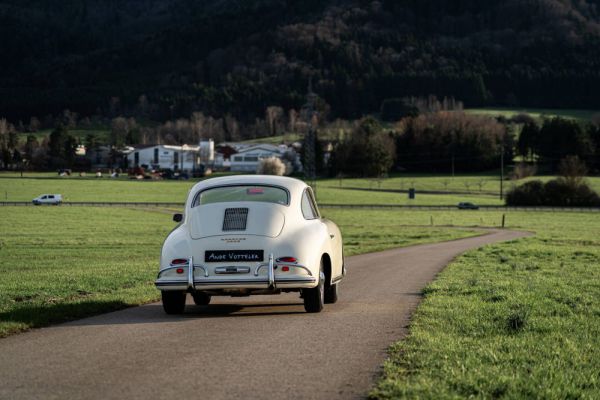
(264, 276)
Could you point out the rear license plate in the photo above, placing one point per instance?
(233, 255)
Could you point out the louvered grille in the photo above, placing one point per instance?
(235, 219)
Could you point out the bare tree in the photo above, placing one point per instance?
(481, 183)
(572, 170)
(467, 185)
(273, 118)
(34, 124)
(445, 182)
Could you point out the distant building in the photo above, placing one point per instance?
(247, 159)
(158, 156)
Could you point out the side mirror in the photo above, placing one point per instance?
(177, 217)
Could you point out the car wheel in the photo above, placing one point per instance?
(313, 298)
(201, 298)
(173, 301)
(331, 294)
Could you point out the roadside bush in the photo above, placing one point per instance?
(557, 192)
(271, 166)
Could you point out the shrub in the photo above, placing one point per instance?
(557, 192)
(271, 166)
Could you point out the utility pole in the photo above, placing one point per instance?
(502, 173)
(310, 115)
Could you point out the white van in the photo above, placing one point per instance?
(54, 199)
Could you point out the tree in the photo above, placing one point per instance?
(61, 148)
(572, 171)
(396, 109)
(561, 137)
(528, 142)
(367, 152)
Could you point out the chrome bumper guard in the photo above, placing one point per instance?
(271, 282)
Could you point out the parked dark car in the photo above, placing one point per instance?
(467, 206)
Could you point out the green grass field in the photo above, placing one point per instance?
(101, 133)
(63, 263)
(510, 320)
(430, 190)
(582, 115)
(513, 320)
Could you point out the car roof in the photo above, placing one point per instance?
(291, 184)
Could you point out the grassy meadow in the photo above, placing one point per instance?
(63, 263)
(538, 113)
(509, 320)
(514, 320)
(481, 189)
(59, 264)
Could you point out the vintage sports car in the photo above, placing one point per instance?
(251, 234)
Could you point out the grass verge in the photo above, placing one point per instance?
(510, 320)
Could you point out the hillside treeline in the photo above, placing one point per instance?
(238, 57)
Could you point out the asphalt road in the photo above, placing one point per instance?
(262, 347)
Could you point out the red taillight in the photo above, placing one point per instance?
(287, 259)
(179, 270)
(179, 261)
(285, 268)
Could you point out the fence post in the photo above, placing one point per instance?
(503, 219)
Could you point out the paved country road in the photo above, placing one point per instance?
(263, 347)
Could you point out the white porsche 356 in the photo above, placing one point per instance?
(248, 235)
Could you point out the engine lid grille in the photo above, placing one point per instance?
(235, 219)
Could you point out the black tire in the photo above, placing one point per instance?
(173, 301)
(331, 294)
(313, 298)
(201, 298)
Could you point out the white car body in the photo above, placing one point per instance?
(54, 199)
(251, 234)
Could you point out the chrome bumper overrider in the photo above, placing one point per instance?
(217, 282)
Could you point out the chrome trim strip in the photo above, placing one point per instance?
(257, 270)
(255, 282)
(166, 269)
(288, 280)
(170, 283)
(232, 270)
(271, 273)
(191, 273)
(203, 269)
(180, 266)
(337, 279)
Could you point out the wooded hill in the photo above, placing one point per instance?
(238, 57)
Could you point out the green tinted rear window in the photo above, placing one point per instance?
(226, 194)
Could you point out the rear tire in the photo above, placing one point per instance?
(173, 301)
(313, 298)
(331, 294)
(201, 298)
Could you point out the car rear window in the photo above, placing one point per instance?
(226, 194)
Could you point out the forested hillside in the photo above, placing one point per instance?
(166, 59)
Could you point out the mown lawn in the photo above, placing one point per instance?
(510, 320)
(59, 264)
(481, 189)
(64, 263)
